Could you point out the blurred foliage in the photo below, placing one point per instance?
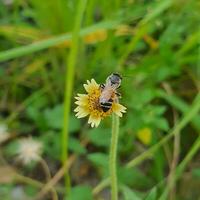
(154, 45)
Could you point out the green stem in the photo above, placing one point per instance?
(101, 186)
(69, 82)
(185, 120)
(195, 147)
(188, 157)
(113, 155)
(54, 40)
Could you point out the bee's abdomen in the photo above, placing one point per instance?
(107, 105)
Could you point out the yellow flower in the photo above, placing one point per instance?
(145, 135)
(88, 104)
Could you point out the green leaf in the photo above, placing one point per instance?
(98, 159)
(196, 172)
(99, 137)
(80, 192)
(2, 72)
(75, 146)
(54, 117)
(162, 124)
(129, 194)
(35, 114)
(51, 140)
(11, 149)
(30, 191)
(152, 194)
(133, 177)
(6, 191)
(159, 109)
(74, 124)
(143, 97)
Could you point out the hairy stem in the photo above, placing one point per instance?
(113, 156)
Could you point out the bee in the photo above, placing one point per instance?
(109, 92)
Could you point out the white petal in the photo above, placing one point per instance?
(81, 114)
(97, 122)
(77, 109)
(94, 83)
(94, 121)
(118, 113)
(90, 120)
(82, 95)
(87, 87)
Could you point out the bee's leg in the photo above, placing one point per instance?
(118, 94)
(116, 99)
(102, 86)
(110, 100)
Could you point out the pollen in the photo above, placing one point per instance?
(88, 104)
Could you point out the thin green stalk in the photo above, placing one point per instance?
(195, 147)
(101, 186)
(188, 157)
(54, 40)
(141, 31)
(113, 156)
(69, 82)
(186, 119)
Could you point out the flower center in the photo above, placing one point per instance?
(94, 106)
(94, 101)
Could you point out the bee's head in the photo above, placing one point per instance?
(115, 80)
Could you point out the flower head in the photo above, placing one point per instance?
(88, 104)
(29, 150)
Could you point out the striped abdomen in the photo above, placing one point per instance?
(107, 105)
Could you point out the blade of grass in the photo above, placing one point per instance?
(190, 42)
(142, 29)
(182, 106)
(69, 82)
(162, 6)
(182, 166)
(186, 119)
(53, 41)
(101, 186)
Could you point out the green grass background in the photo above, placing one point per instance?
(48, 49)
